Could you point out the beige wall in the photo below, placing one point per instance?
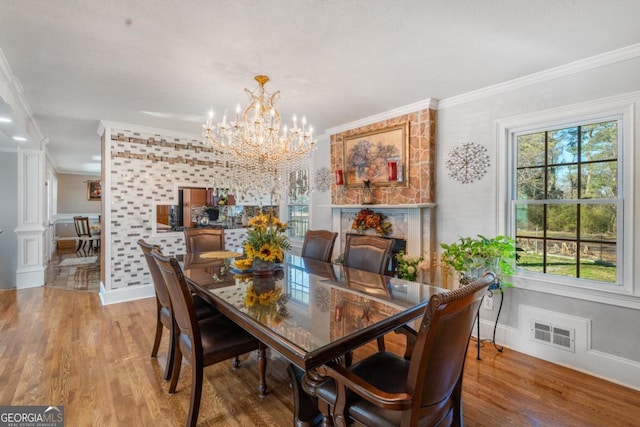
(72, 200)
(72, 194)
(420, 156)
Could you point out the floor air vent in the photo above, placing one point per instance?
(553, 335)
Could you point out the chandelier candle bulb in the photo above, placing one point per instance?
(256, 154)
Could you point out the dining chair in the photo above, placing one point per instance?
(385, 389)
(318, 244)
(83, 230)
(202, 342)
(368, 253)
(164, 313)
(320, 268)
(204, 239)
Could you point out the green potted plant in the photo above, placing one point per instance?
(470, 257)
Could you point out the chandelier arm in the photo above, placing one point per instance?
(256, 149)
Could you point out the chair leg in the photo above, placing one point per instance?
(175, 372)
(159, 327)
(381, 346)
(348, 358)
(262, 369)
(196, 393)
(168, 370)
(235, 362)
(79, 245)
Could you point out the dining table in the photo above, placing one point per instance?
(308, 311)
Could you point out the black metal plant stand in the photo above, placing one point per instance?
(497, 286)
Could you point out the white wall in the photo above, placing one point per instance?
(72, 194)
(8, 219)
(320, 204)
(470, 209)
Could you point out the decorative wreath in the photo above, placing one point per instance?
(367, 219)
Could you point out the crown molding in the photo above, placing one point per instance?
(429, 103)
(13, 94)
(597, 61)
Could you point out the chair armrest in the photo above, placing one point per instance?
(346, 379)
(411, 335)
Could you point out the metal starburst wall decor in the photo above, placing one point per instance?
(467, 162)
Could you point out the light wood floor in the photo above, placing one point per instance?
(61, 347)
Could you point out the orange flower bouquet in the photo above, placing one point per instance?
(367, 219)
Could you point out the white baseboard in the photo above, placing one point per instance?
(130, 293)
(607, 366)
(33, 278)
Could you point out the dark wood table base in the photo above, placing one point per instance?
(305, 406)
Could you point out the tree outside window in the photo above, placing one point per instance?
(567, 200)
(298, 204)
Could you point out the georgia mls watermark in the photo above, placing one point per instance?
(32, 416)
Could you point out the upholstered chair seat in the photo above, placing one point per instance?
(164, 315)
(202, 342)
(385, 389)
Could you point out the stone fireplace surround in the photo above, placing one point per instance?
(413, 222)
(411, 208)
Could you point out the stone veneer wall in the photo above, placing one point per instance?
(146, 170)
(422, 137)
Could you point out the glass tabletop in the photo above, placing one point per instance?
(310, 307)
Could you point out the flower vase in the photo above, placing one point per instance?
(263, 268)
(263, 284)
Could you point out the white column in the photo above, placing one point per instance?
(30, 231)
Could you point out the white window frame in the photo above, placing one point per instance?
(296, 240)
(625, 293)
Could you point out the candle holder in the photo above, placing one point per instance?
(339, 180)
(392, 176)
(367, 195)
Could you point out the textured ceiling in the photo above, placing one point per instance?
(164, 63)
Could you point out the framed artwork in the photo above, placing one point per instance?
(380, 157)
(94, 190)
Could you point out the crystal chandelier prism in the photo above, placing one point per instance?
(258, 152)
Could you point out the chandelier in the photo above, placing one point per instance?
(257, 151)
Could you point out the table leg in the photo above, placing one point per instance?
(262, 369)
(305, 407)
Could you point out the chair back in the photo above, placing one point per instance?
(156, 277)
(368, 253)
(188, 335)
(319, 268)
(204, 239)
(318, 244)
(437, 363)
(82, 226)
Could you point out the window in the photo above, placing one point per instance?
(566, 201)
(298, 206)
(298, 280)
